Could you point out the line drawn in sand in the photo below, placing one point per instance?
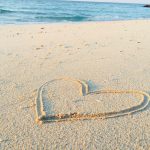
(42, 117)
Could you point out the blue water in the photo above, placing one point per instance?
(47, 11)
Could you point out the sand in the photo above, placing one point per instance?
(103, 103)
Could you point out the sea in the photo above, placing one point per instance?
(52, 11)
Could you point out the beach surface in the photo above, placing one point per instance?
(75, 60)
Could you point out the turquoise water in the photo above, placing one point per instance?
(46, 11)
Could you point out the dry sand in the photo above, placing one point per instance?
(106, 56)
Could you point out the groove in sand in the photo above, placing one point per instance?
(42, 117)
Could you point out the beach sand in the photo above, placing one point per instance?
(85, 57)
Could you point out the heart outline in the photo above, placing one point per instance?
(42, 117)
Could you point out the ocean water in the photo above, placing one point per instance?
(47, 11)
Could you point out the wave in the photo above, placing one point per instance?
(63, 18)
(4, 11)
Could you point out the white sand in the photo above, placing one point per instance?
(107, 55)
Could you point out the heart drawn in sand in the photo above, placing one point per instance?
(61, 100)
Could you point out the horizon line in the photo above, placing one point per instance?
(111, 1)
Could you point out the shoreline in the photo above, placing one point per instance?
(72, 23)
